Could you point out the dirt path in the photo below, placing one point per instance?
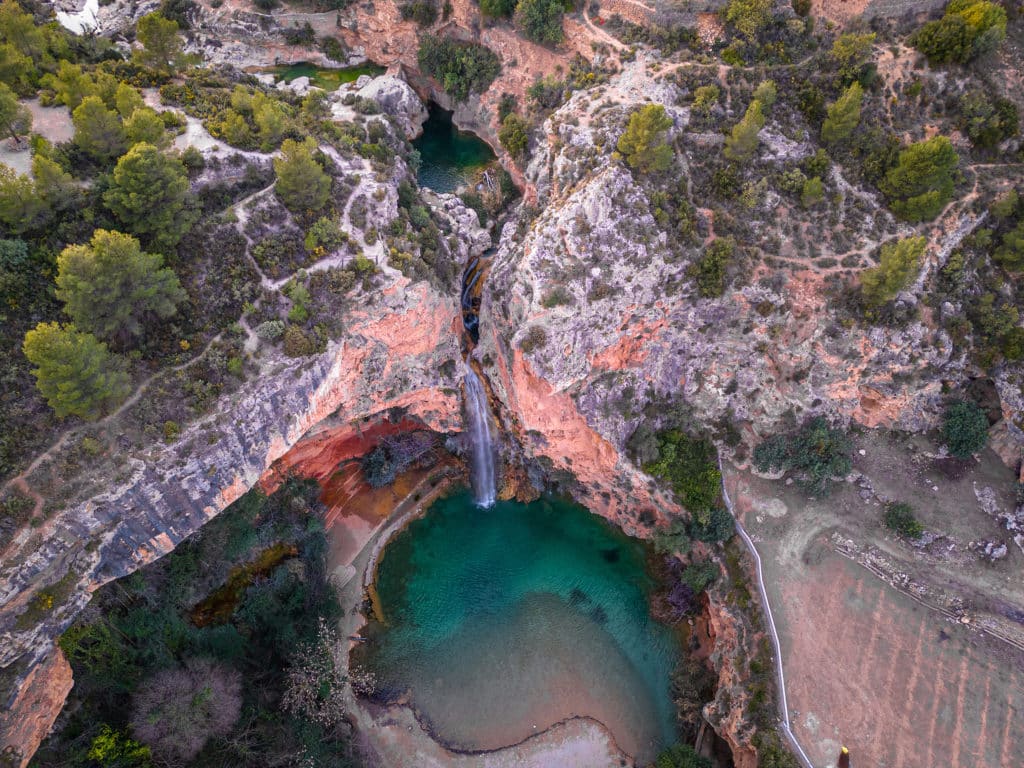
(783, 704)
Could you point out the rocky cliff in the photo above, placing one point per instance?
(591, 313)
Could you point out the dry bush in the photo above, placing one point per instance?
(178, 710)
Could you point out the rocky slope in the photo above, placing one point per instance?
(592, 314)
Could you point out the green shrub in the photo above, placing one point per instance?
(987, 121)
(713, 526)
(749, 17)
(681, 756)
(536, 337)
(423, 12)
(514, 135)
(899, 517)
(461, 68)
(699, 576)
(690, 466)
(965, 429)
(497, 8)
(541, 20)
(672, 540)
(812, 192)
(705, 98)
(815, 453)
(709, 270)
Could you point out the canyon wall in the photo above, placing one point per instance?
(591, 315)
(398, 359)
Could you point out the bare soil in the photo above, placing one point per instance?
(893, 662)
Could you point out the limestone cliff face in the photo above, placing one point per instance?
(589, 313)
(398, 355)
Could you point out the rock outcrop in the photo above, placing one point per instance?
(593, 315)
(399, 100)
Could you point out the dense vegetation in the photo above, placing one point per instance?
(969, 28)
(540, 20)
(461, 68)
(205, 657)
(965, 428)
(816, 453)
(899, 517)
(689, 465)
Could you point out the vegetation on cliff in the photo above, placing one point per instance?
(228, 690)
(461, 68)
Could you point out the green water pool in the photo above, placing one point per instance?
(500, 622)
(449, 157)
(324, 77)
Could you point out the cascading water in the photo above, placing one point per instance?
(478, 425)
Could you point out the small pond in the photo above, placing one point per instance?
(324, 77)
(449, 156)
(499, 623)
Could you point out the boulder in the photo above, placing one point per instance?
(397, 98)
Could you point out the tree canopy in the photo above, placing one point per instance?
(965, 428)
(742, 142)
(921, 182)
(110, 286)
(161, 46)
(148, 194)
(514, 135)
(643, 141)
(75, 372)
(969, 28)
(98, 130)
(302, 185)
(816, 453)
(461, 68)
(843, 115)
(15, 119)
(541, 20)
(748, 16)
(900, 262)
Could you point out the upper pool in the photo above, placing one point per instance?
(499, 623)
(449, 156)
(324, 77)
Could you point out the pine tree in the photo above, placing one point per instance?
(110, 287)
(74, 371)
(643, 141)
(161, 45)
(743, 141)
(145, 125)
(148, 195)
(302, 184)
(899, 264)
(98, 130)
(21, 207)
(921, 183)
(843, 115)
(14, 118)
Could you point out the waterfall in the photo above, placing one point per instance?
(478, 416)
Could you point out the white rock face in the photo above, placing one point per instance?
(398, 99)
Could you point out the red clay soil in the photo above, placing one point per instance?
(871, 669)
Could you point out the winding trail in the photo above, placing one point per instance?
(762, 594)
